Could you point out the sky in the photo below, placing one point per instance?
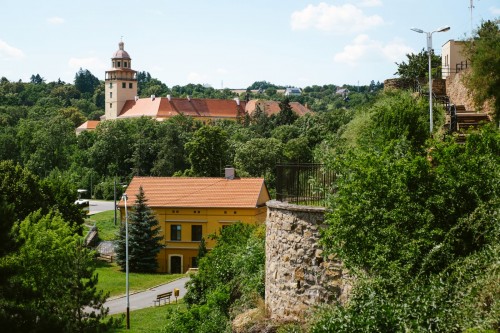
(229, 44)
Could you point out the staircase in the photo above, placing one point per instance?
(459, 120)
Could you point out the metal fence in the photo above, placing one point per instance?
(303, 184)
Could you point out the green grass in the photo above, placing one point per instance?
(112, 279)
(151, 319)
(105, 224)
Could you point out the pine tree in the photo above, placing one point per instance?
(144, 242)
(286, 116)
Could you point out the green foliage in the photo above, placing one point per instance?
(207, 151)
(258, 158)
(145, 240)
(417, 67)
(483, 80)
(286, 116)
(419, 227)
(53, 281)
(85, 82)
(230, 280)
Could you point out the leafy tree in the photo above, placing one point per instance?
(258, 158)
(144, 238)
(483, 80)
(417, 67)
(46, 145)
(207, 151)
(54, 281)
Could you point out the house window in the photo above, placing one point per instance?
(196, 233)
(119, 64)
(125, 64)
(110, 94)
(110, 105)
(124, 85)
(194, 262)
(111, 84)
(175, 232)
(130, 85)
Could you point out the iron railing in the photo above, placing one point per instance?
(303, 184)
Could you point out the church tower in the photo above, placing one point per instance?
(121, 83)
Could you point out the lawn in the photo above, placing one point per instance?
(112, 279)
(147, 320)
(105, 224)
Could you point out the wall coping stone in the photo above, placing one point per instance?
(297, 208)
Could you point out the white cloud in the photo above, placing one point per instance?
(194, 77)
(363, 49)
(346, 18)
(93, 64)
(370, 3)
(55, 20)
(10, 51)
(495, 10)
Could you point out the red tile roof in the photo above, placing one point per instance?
(162, 107)
(199, 192)
(89, 125)
(273, 107)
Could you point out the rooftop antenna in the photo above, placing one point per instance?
(471, 7)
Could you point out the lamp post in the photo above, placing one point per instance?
(429, 52)
(126, 260)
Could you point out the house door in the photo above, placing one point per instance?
(175, 265)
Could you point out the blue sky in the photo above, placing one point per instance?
(228, 43)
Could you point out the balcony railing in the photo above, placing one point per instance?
(304, 184)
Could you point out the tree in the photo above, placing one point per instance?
(53, 282)
(85, 82)
(483, 80)
(417, 67)
(258, 158)
(144, 238)
(286, 116)
(37, 79)
(207, 151)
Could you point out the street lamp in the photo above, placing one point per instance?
(124, 197)
(429, 52)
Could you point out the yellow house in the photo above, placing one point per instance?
(189, 209)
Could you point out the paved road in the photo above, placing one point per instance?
(145, 298)
(97, 206)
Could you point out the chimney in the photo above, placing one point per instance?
(229, 173)
(153, 97)
(237, 100)
(169, 97)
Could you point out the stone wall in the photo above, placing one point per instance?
(438, 85)
(297, 274)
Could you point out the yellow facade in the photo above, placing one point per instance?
(180, 255)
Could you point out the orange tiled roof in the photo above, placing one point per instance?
(89, 125)
(199, 192)
(162, 107)
(273, 107)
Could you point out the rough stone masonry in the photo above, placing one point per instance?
(297, 274)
